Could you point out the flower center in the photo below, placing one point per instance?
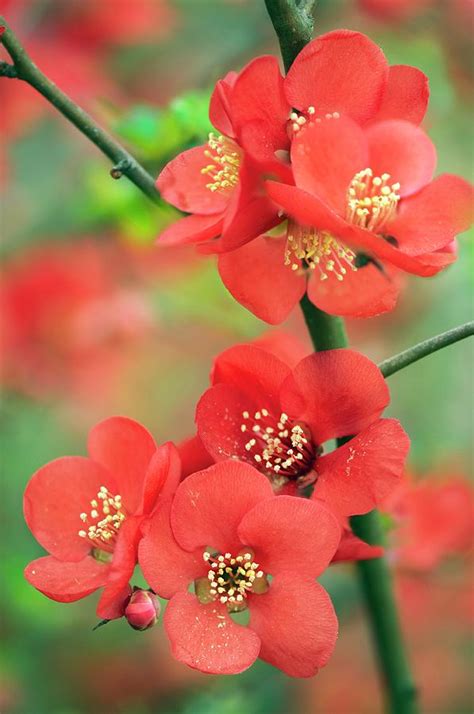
(104, 520)
(371, 200)
(278, 447)
(223, 171)
(230, 579)
(318, 250)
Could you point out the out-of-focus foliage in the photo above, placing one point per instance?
(141, 343)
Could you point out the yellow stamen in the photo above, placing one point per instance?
(225, 162)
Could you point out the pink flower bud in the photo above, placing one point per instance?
(143, 609)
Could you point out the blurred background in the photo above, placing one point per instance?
(97, 320)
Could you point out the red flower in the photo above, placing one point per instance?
(220, 183)
(341, 71)
(88, 513)
(276, 418)
(394, 10)
(363, 208)
(434, 520)
(227, 533)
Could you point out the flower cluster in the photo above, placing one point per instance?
(220, 524)
(321, 181)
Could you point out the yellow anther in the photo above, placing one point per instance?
(223, 171)
(371, 200)
(308, 248)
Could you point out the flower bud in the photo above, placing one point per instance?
(143, 609)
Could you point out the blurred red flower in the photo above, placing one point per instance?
(84, 31)
(227, 532)
(65, 311)
(277, 419)
(88, 513)
(394, 10)
(434, 519)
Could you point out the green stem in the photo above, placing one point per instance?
(376, 584)
(423, 349)
(327, 332)
(293, 26)
(24, 68)
(293, 23)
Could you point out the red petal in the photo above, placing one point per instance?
(251, 273)
(55, 497)
(246, 378)
(219, 106)
(342, 71)
(352, 548)
(209, 505)
(431, 219)
(182, 183)
(192, 229)
(309, 210)
(167, 568)
(205, 638)
(219, 420)
(288, 347)
(162, 477)
(259, 108)
(296, 623)
(125, 448)
(306, 209)
(368, 291)
(288, 535)
(325, 158)
(66, 581)
(112, 602)
(257, 373)
(406, 95)
(194, 456)
(356, 477)
(250, 212)
(404, 151)
(338, 392)
(365, 241)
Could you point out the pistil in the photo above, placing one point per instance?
(230, 579)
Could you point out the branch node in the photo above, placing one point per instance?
(8, 70)
(120, 168)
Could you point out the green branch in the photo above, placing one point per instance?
(293, 23)
(25, 69)
(423, 349)
(293, 26)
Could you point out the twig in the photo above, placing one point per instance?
(423, 349)
(25, 69)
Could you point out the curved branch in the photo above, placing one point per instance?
(25, 69)
(423, 349)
